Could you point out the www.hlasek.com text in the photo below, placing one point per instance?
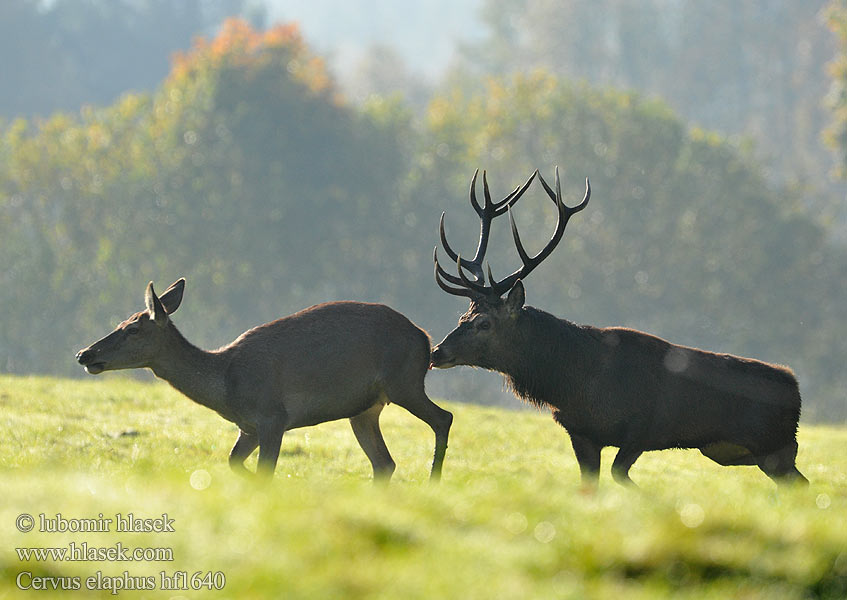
(82, 552)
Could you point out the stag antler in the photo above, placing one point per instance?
(487, 212)
(476, 288)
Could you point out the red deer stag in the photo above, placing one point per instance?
(331, 361)
(614, 386)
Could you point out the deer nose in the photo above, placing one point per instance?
(83, 356)
(437, 357)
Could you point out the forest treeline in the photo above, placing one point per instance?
(757, 67)
(246, 172)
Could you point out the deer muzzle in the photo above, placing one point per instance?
(440, 359)
(88, 359)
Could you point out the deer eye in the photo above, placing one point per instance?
(484, 324)
(132, 330)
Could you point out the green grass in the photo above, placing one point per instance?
(508, 520)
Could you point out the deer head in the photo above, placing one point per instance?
(135, 342)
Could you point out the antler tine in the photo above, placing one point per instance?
(556, 196)
(495, 209)
(498, 288)
(490, 274)
(477, 208)
(462, 279)
(485, 215)
(506, 203)
(521, 252)
(444, 274)
(585, 198)
(472, 266)
(485, 192)
(547, 188)
(441, 274)
(453, 255)
(471, 285)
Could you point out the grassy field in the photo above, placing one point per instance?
(508, 519)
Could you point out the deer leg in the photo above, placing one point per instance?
(728, 454)
(588, 456)
(244, 446)
(780, 466)
(418, 403)
(441, 427)
(624, 459)
(366, 428)
(270, 439)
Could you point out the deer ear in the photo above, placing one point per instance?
(172, 297)
(158, 314)
(516, 297)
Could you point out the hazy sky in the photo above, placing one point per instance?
(423, 33)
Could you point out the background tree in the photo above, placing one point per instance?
(69, 53)
(837, 131)
(755, 67)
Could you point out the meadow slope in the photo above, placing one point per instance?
(508, 520)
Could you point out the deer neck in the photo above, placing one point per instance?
(199, 374)
(549, 356)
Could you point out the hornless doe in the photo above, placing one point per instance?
(332, 361)
(615, 386)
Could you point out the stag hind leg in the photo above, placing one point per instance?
(728, 454)
(780, 466)
(244, 446)
(623, 462)
(366, 428)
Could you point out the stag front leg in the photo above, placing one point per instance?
(587, 454)
(588, 457)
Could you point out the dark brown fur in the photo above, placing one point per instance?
(632, 390)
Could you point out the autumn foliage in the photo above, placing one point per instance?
(239, 46)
